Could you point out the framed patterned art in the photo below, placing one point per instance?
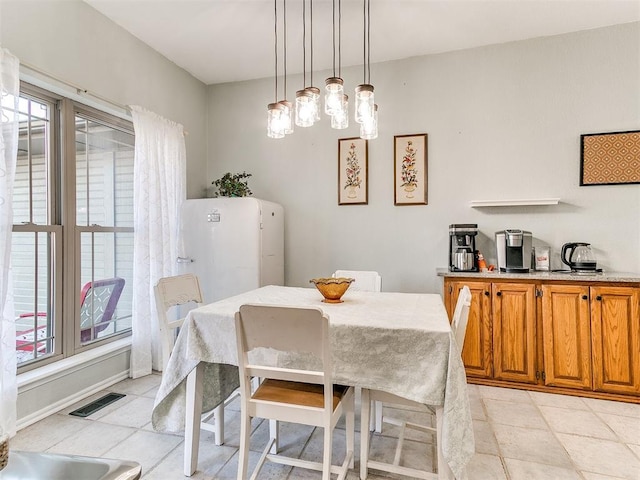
(353, 187)
(610, 158)
(410, 169)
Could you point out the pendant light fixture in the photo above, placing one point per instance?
(364, 108)
(314, 91)
(334, 86)
(275, 111)
(369, 126)
(306, 110)
(305, 103)
(287, 115)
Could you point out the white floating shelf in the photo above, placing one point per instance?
(514, 203)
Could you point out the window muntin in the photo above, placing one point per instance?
(97, 209)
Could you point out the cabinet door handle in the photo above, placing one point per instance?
(498, 294)
(599, 298)
(486, 294)
(585, 297)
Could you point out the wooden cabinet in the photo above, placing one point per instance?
(513, 311)
(566, 333)
(476, 353)
(570, 337)
(615, 339)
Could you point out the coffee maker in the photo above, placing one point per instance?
(462, 247)
(514, 249)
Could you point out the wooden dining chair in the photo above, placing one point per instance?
(459, 327)
(300, 395)
(171, 293)
(365, 280)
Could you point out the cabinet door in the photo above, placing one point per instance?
(615, 328)
(566, 333)
(476, 353)
(514, 332)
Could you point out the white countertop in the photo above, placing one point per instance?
(621, 277)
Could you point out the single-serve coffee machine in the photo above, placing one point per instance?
(514, 250)
(462, 247)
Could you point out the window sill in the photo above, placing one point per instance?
(38, 376)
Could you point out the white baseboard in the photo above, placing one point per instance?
(47, 390)
(69, 400)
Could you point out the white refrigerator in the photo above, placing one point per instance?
(233, 244)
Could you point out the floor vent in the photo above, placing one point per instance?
(96, 405)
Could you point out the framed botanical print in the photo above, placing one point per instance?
(353, 187)
(410, 169)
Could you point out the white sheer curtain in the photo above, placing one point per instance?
(160, 189)
(9, 93)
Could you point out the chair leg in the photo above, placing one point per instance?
(326, 454)
(378, 412)
(218, 415)
(350, 419)
(365, 415)
(243, 453)
(274, 432)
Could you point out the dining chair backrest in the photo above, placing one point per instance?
(365, 280)
(172, 292)
(284, 329)
(461, 316)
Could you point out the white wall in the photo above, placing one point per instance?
(504, 122)
(75, 43)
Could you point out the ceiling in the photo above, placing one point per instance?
(221, 41)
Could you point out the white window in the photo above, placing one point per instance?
(72, 245)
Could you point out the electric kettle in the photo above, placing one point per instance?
(578, 256)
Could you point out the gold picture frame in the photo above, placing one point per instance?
(610, 158)
(353, 165)
(410, 169)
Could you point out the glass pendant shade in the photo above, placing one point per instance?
(287, 116)
(369, 126)
(305, 114)
(334, 90)
(340, 119)
(364, 102)
(275, 125)
(315, 96)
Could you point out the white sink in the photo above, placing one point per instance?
(51, 466)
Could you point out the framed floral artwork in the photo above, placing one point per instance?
(353, 187)
(410, 169)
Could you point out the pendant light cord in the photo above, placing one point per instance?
(364, 41)
(275, 33)
(284, 4)
(311, 42)
(369, 41)
(340, 38)
(333, 38)
(304, 43)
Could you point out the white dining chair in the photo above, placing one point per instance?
(365, 280)
(304, 396)
(170, 294)
(459, 327)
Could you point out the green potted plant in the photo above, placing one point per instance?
(232, 185)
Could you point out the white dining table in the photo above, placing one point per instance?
(395, 342)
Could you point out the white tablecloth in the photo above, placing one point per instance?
(396, 342)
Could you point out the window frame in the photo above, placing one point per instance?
(65, 259)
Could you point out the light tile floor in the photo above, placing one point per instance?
(519, 436)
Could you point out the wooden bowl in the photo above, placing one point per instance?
(332, 289)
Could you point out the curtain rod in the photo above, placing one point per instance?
(80, 90)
